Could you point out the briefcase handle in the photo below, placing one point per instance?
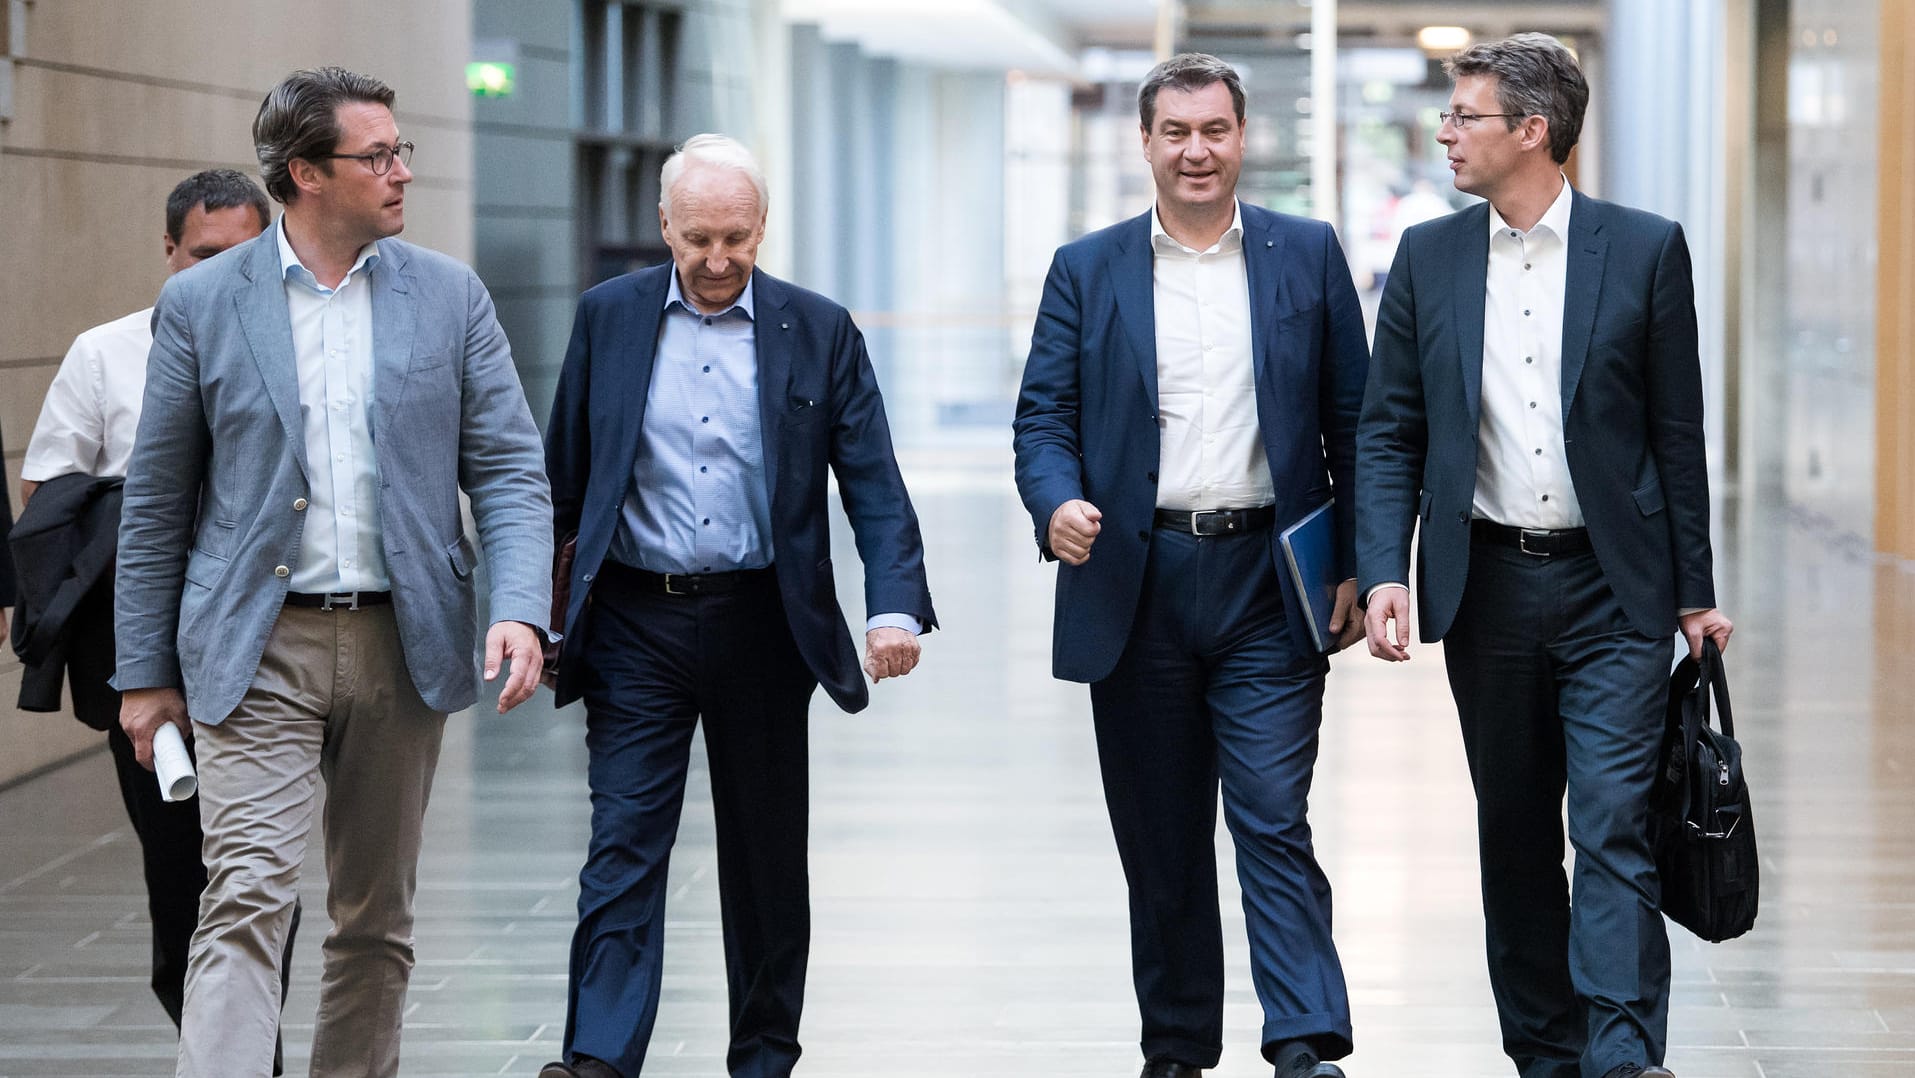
(1710, 672)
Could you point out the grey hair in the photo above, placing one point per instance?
(715, 151)
(300, 119)
(1187, 71)
(1535, 76)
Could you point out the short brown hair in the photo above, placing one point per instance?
(1187, 71)
(1535, 76)
(300, 119)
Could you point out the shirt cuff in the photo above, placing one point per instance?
(1374, 588)
(894, 621)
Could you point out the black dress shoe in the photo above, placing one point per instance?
(580, 1067)
(1298, 1060)
(1167, 1068)
(1637, 1070)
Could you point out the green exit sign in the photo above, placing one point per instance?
(489, 79)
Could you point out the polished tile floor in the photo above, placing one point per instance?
(968, 903)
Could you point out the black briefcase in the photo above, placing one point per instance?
(1704, 826)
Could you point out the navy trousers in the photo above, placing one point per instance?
(655, 665)
(1557, 693)
(1213, 689)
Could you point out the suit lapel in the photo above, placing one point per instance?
(626, 368)
(393, 320)
(268, 326)
(1263, 247)
(1136, 303)
(772, 332)
(1582, 289)
(1472, 294)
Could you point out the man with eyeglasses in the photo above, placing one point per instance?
(1535, 401)
(294, 571)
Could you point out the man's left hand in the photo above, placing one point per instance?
(1346, 625)
(889, 652)
(518, 642)
(1710, 623)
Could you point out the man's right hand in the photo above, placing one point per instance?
(144, 711)
(1387, 605)
(1074, 527)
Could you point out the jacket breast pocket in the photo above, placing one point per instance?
(433, 361)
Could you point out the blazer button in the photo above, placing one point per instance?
(1462, 517)
(1151, 476)
(281, 571)
(1144, 534)
(299, 505)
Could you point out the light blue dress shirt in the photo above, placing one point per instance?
(340, 547)
(699, 501)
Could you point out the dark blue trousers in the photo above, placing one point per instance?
(654, 666)
(1557, 693)
(1213, 689)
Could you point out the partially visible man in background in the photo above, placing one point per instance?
(85, 430)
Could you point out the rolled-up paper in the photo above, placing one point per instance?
(173, 766)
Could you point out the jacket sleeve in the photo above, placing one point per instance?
(163, 483)
(883, 523)
(502, 470)
(1045, 434)
(1676, 437)
(1345, 365)
(568, 434)
(1392, 435)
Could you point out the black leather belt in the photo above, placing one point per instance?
(684, 583)
(1217, 521)
(338, 600)
(1539, 542)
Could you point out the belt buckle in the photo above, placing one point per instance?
(670, 587)
(1195, 529)
(1522, 542)
(346, 600)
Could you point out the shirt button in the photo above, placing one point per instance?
(704, 419)
(707, 368)
(1525, 265)
(708, 520)
(701, 467)
(281, 571)
(1545, 497)
(341, 457)
(299, 505)
(1525, 312)
(1532, 404)
(347, 563)
(1529, 359)
(708, 321)
(1539, 452)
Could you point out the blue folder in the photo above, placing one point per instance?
(1310, 553)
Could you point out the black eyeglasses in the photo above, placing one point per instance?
(379, 160)
(1462, 120)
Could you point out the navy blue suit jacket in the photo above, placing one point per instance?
(1632, 412)
(819, 406)
(1087, 422)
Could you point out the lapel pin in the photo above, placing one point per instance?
(1269, 243)
(784, 325)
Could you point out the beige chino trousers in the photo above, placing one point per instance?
(333, 700)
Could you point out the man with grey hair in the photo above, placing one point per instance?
(1536, 404)
(294, 573)
(702, 408)
(1191, 392)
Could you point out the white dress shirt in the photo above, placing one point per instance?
(1522, 467)
(340, 548)
(1211, 452)
(92, 409)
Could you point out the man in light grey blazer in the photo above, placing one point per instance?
(294, 573)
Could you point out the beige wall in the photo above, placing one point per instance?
(113, 102)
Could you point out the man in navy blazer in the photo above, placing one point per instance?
(1536, 404)
(1192, 389)
(702, 407)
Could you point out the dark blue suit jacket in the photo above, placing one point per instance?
(1632, 412)
(1087, 423)
(819, 404)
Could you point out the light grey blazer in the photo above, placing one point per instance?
(210, 518)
